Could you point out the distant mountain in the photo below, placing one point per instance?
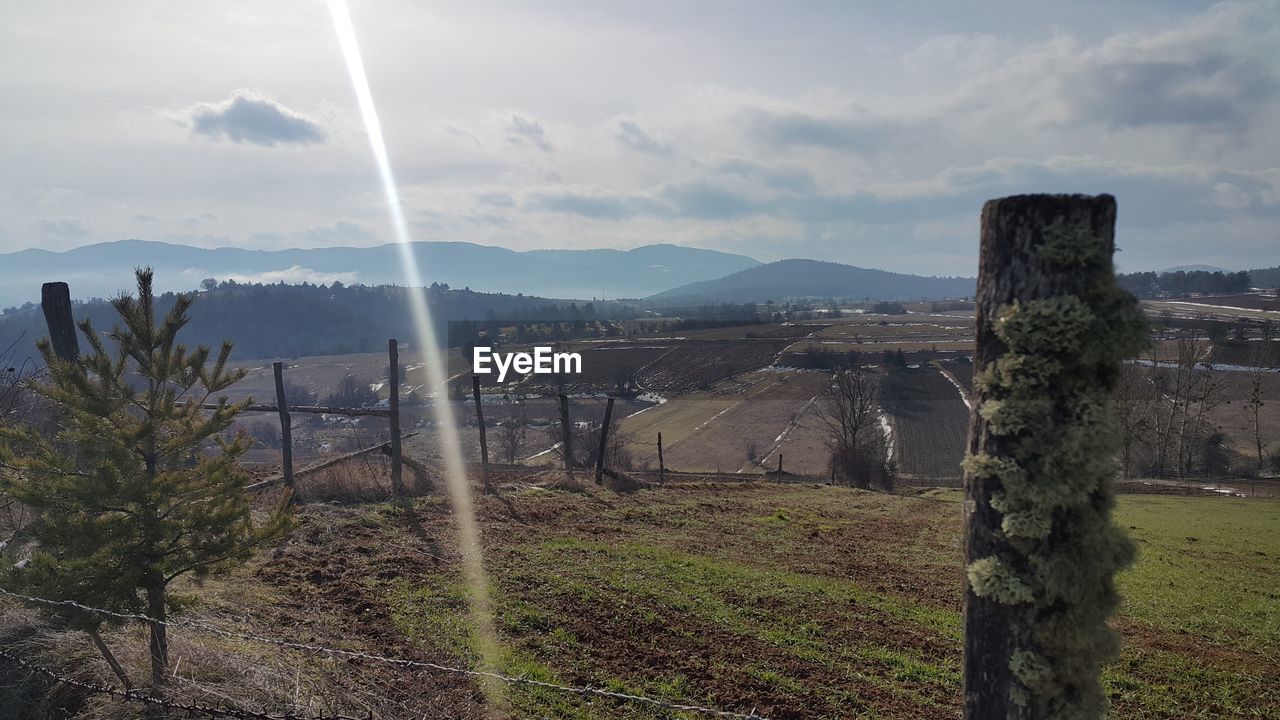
(779, 281)
(104, 269)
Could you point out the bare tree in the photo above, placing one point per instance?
(1133, 398)
(353, 391)
(1254, 405)
(850, 410)
(1185, 392)
(586, 443)
(265, 432)
(512, 433)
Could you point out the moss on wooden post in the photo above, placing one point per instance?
(1041, 551)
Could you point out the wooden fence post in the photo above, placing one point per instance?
(604, 440)
(1040, 548)
(566, 429)
(55, 301)
(397, 479)
(779, 464)
(662, 467)
(286, 426)
(484, 445)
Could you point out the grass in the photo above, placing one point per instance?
(821, 602)
(792, 600)
(1207, 566)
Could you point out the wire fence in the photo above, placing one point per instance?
(133, 695)
(584, 690)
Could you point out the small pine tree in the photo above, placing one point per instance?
(138, 487)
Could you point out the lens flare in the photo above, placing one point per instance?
(425, 337)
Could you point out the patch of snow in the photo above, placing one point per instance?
(964, 396)
(887, 429)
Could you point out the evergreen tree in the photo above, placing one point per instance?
(137, 487)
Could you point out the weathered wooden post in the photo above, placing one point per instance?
(1041, 551)
(393, 405)
(604, 440)
(779, 465)
(662, 467)
(484, 445)
(286, 426)
(55, 301)
(566, 430)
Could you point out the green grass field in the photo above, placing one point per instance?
(810, 601)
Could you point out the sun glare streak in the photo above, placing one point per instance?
(425, 337)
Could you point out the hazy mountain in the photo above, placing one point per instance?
(785, 279)
(103, 269)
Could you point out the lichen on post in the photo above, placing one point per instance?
(1053, 328)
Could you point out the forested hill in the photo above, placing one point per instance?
(793, 279)
(1265, 277)
(1182, 283)
(293, 320)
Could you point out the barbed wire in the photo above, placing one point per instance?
(130, 695)
(584, 690)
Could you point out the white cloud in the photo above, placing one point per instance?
(1229, 197)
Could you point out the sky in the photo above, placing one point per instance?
(867, 133)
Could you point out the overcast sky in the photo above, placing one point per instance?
(862, 132)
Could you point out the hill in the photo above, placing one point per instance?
(1265, 277)
(104, 269)
(786, 279)
(293, 320)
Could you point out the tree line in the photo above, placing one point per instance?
(281, 320)
(1184, 283)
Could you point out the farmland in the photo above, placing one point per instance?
(732, 399)
(795, 600)
(928, 412)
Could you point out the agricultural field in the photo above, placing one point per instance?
(930, 424)
(322, 374)
(696, 365)
(1253, 307)
(795, 601)
(737, 426)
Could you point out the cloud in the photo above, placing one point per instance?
(1229, 196)
(599, 207)
(293, 275)
(145, 217)
(633, 137)
(51, 197)
(203, 218)
(248, 118)
(794, 179)
(62, 229)
(524, 129)
(852, 131)
(1211, 88)
(340, 233)
(496, 199)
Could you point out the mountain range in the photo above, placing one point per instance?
(779, 281)
(666, 275)
(104, 269)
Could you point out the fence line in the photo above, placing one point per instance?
(398, 662)
(129, 695)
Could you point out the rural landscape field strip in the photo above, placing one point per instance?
(931, 422)
(785, 599)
